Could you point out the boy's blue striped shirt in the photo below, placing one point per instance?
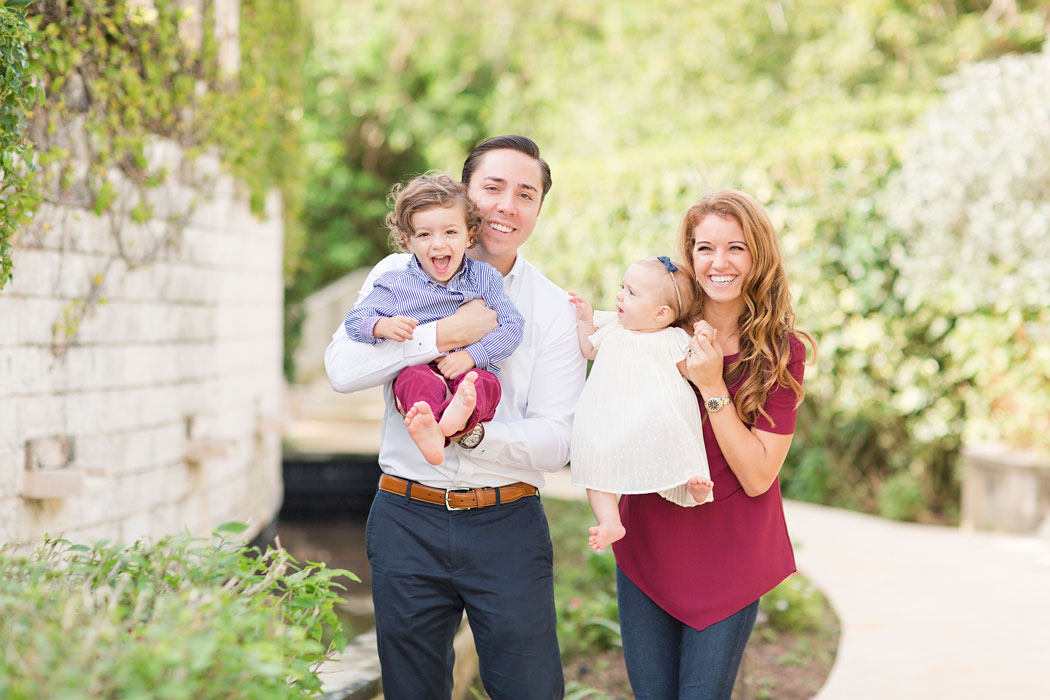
(411, 292)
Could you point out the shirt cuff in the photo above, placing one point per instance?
(366, 330)
(424, 341)
(492, 445)
(479, 354)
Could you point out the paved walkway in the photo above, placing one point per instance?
(927, 612)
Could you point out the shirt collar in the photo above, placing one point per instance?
(517, 272)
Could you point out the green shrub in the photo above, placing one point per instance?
(794, 606)
(901, 497)
(182, 618)
(584, 583)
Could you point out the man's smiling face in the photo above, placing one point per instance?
(507, 186)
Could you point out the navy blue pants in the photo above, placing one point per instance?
(429, 564)
(668, 660)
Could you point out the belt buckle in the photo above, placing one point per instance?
(461, 489)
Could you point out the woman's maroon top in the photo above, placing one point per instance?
(704, 563)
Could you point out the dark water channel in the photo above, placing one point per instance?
(326, 502)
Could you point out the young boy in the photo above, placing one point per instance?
(435, 220)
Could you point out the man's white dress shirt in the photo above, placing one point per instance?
(541, 383)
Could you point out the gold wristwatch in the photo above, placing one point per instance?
(472, 439)
(717, 403)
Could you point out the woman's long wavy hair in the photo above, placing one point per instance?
(768, 321)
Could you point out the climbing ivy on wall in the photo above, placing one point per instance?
(111, 77)
(17, 93)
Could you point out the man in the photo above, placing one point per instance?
(471, 533)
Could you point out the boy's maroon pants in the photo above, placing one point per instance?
(425, 383)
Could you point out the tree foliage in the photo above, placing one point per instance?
(641, 108)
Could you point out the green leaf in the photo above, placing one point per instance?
(232, 527)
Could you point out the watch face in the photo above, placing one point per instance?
(473, 438)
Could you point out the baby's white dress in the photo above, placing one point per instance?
(637, 426)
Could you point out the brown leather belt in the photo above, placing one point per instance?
(457, 499)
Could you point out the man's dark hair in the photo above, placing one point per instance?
(515, 143)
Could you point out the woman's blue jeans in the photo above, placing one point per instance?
(668, 660)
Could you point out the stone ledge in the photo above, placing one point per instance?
(354, 674)
(1005, 490)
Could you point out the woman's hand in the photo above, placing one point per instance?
(703, 361)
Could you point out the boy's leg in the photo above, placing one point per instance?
(420, 394)
(419, 383)
(488, 392)
(609, 528)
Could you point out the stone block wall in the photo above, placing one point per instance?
(140, 364)
(1005, 490)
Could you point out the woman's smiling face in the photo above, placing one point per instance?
(721, 258)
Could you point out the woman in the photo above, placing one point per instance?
(689, 579)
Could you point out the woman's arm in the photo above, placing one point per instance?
(754, 455)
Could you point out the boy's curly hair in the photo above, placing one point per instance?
(428, 191)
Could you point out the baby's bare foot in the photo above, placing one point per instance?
(459, 409)
(425, 432)
(700, 488)
(604, 535)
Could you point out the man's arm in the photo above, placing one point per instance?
(352, 366)
(541, 439)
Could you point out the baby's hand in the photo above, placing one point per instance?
(703, 328)
(397, 328)
(584, 312)
(455, 363)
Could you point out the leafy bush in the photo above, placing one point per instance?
(796, 605)
(901, 497)
(584, 584)
(971, 208)
(182, 618)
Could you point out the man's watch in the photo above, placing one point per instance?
(717, 403)
(472, 439)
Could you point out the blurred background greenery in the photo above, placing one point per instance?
(902, 148)
(910, 187)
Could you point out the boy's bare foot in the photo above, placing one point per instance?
(604, 535)
(425, 432)
(458, 411)
(699, 488)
